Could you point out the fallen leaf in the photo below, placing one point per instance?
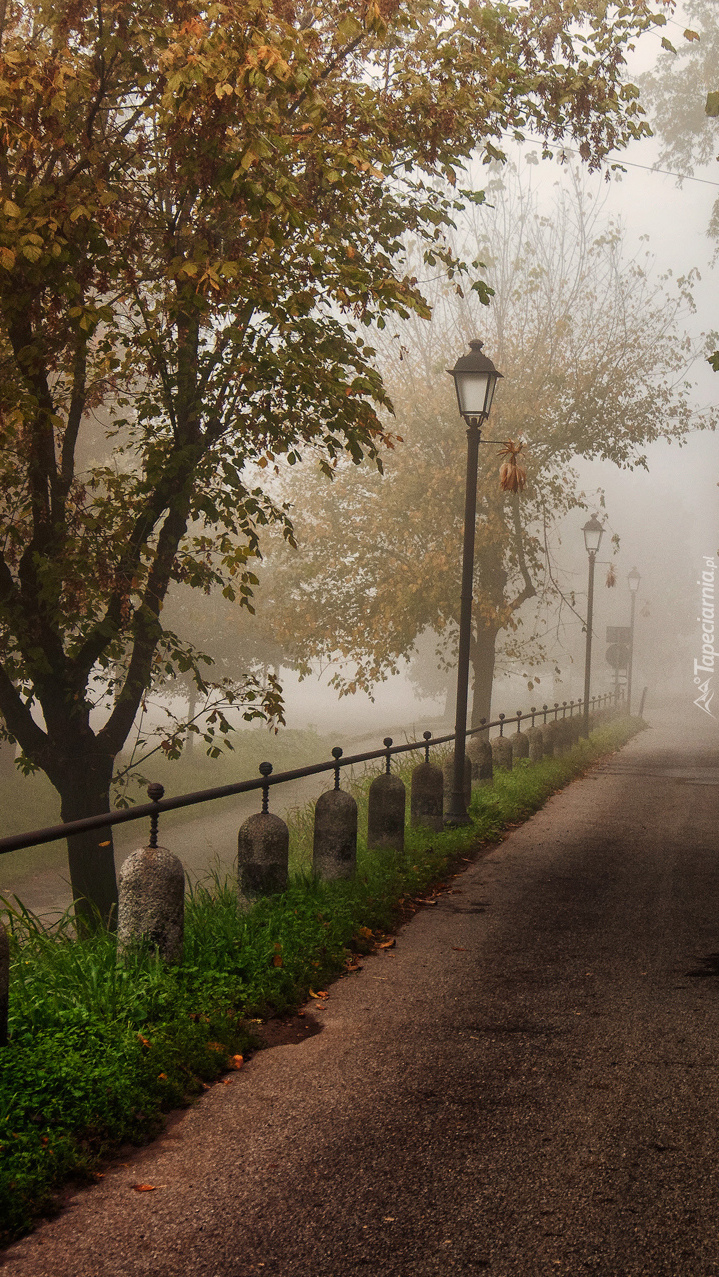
(458, 948)
(144, 1188)
(226, 1081)
(277, 961)
(162, 1077)
(237, 1061)
(387, 944)
(388, 1219)
(426, 902)
(364, 931)
(321, 993)
(144, 1041)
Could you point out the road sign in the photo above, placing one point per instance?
(618, 656)
(619, 634)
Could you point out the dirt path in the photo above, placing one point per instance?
(527, 1084)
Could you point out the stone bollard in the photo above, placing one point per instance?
(520, 745)
(536, 744)
(334, 851)
(263, 846)
(4, 983)
(479, 751)
(448, 780)
(151, 903)
(426, 797)
(386, 810)
(502, 752)
(551, 733)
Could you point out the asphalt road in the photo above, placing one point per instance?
(527, 1084)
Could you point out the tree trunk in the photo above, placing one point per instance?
(482, 655)
(85, 791)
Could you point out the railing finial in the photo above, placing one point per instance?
(155, 792)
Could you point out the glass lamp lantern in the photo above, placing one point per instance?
(593, 532)
(475, 378)
(633, 580)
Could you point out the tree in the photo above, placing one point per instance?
(683, 94)
(595, 364)
(203, 209)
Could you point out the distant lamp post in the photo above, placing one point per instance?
(475, 378)
(633, 580)
(593, 531)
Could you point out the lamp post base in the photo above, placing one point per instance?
(452, 821)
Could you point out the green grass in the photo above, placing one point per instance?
(99, 1050)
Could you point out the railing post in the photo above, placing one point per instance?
(480, 752)
(386, 809)
(151, 896)
(263, 845)
(426, 803)
(519, 741)
(334, 847)
(501, 748)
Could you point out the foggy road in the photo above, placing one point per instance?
(527, 1084)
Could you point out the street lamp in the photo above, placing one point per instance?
(475, 378)
(633, 580)
(593, 531)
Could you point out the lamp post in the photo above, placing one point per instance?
(633, 580)
(593, 531)
(475, 378)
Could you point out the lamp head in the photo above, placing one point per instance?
(475, 378)
(633, 580)
(593, 532)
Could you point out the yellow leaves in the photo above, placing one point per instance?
(321, 993)
(7, 258)
(10, 209)
(223, 90)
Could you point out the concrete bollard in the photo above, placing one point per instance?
(426, 797)
(263, 851)
(479, 751)
(520, 745)
(151, 902)
(4, 982)
(502, 752)
(334, 850)
(550, 735)
(536, 744)
(263, 846)
(386, 812)
(448, 780)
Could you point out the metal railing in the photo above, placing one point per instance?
(159, 804)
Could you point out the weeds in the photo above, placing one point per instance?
(99, 1049)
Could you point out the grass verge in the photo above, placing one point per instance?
(100, 1050)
